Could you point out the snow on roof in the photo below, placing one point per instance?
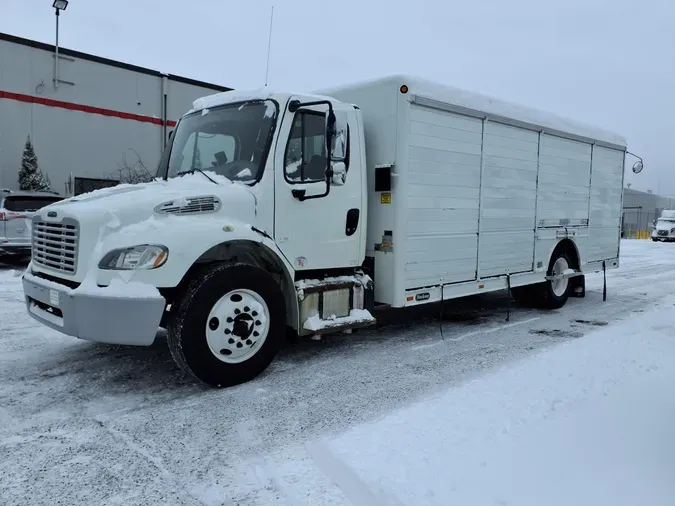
(489, 105)
(228, 97)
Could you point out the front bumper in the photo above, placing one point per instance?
(94, 317)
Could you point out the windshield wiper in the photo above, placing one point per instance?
(192, 171)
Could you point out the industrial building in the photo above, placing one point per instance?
(640, 209)
(91, 119)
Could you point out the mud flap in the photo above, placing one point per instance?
(578, 286)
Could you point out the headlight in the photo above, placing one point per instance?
(143, 256)
(672, 230)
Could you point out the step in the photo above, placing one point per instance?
(358, 318)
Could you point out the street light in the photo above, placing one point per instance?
(59, 5)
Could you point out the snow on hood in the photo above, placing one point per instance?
(157, 191)
(665, 225)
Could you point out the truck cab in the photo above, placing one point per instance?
(254, 224)
(664, 227)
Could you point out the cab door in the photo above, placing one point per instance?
(317, 233)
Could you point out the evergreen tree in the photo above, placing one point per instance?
(30, 177)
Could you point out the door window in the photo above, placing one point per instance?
(305, 160)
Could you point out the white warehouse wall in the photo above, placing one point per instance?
(76, 128)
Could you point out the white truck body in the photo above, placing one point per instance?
(440, 194)
(481, 189)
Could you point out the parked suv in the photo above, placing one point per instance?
(16, 211)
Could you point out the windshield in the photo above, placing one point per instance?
(231, 140)
(666, 221)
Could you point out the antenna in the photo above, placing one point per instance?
(269, 48)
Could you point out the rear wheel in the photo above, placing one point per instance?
(229, 325)
(551, 294)
(555, 292)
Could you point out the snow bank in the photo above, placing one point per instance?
(588, 422)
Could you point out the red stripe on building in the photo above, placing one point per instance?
(83, 108)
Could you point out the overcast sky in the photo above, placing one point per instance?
(610, 63)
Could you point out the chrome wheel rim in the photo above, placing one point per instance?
(237, 326)
(559, 284)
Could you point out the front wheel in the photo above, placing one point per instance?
(229, 325)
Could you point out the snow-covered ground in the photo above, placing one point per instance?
(567, 407)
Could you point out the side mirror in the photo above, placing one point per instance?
(637, 168)
(336, 136)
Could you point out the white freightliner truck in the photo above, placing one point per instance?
(279, 210)
(664, 227)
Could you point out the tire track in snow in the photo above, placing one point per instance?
(171, 479)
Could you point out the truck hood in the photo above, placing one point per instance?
(131, 203)
(665, 226)
(120, 216)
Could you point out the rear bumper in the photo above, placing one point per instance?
(14, 248)
(94, 317)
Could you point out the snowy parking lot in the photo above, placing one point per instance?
(563, 407)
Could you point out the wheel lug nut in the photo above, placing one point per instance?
(229, 320)
(247, 309)
(230, 340)
(254, 313)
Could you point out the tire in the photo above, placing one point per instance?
(554, 295)
(228, 325)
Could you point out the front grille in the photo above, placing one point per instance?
(55, 245)
(662, 232)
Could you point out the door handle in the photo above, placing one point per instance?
(352, 221)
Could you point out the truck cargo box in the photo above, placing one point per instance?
(465, 190)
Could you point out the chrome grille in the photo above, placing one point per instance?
(207, 204)
(662, 232)
(55, 245)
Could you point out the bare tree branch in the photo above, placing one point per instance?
(132, 172)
